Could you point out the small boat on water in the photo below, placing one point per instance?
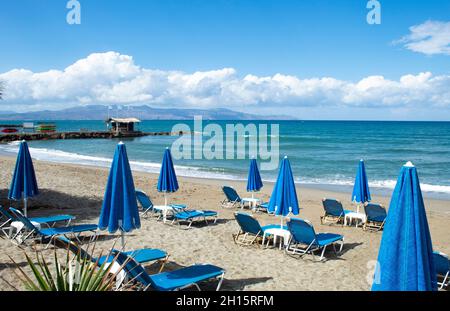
(9, 130)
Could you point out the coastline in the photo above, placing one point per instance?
(334, 191)
(78, 190)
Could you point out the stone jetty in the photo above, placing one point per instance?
(6, 138)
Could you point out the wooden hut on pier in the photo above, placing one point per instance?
(123, 126)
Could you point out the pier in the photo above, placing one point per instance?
(6, 138)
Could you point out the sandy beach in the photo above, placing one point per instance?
(78, 190)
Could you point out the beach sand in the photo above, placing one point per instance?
(79, 191)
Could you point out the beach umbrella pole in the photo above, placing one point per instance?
(165, 198)
(25, 205)
(122, 239)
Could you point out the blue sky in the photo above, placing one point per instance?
(303, 39)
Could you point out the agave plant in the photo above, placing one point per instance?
(74, 273)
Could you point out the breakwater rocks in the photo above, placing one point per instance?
(6, 138)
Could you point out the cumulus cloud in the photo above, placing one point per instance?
(113, 78)
(430, 38)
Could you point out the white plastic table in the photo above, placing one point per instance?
(164, 209)
(358, 217)
(277, 233)
(251, 201)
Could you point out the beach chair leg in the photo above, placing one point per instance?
(323, 252)
(444, 281)
(381, 226)
(245, 237)
(49, 242)
(77, 237)
(236, 237)
(94, 236)
(20, 239)
(220, 282)
(342, 245)
(163, 263)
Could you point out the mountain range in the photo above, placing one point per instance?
(144, 112)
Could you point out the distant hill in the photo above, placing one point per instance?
(100, 112)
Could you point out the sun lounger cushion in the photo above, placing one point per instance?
(194, 214)
(56, 218)
(179, 206)
(323, 239)
(209, 213)
(69, 229)
(141, 255)
(167, 281)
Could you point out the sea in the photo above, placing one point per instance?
(323, 154)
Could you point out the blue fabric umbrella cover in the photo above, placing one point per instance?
(23, 184)
(167, 181)
(405, 258)
(284, 195)
(119, 209)
(254, 182)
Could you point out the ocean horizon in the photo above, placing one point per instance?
(323, 154)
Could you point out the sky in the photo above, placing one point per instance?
(311, 59)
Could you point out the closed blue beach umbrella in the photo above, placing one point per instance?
(167, 181)
(254, 182)
(405, 258)
(284, 196)
(361, 192)
(23, 183)
(119, 209)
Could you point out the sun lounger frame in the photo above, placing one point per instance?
(141, 286)
(332, 219)
(294, 247)
(32, 231)
(373, 225)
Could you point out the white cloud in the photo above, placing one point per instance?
(430, 38)
(112, 78)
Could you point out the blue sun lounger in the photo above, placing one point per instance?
(375, 216)
(442, 264)
(169, 281)
(48, 221)
(249, 229)
(303, 234)
(232, 198)
(334, 211)
(264, 207)
(141, 255)
(145, 203)
(49, 233)
(181, 214)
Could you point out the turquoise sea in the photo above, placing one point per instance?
(322, 153)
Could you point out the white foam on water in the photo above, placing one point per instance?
(384, 184)
(59, 156)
